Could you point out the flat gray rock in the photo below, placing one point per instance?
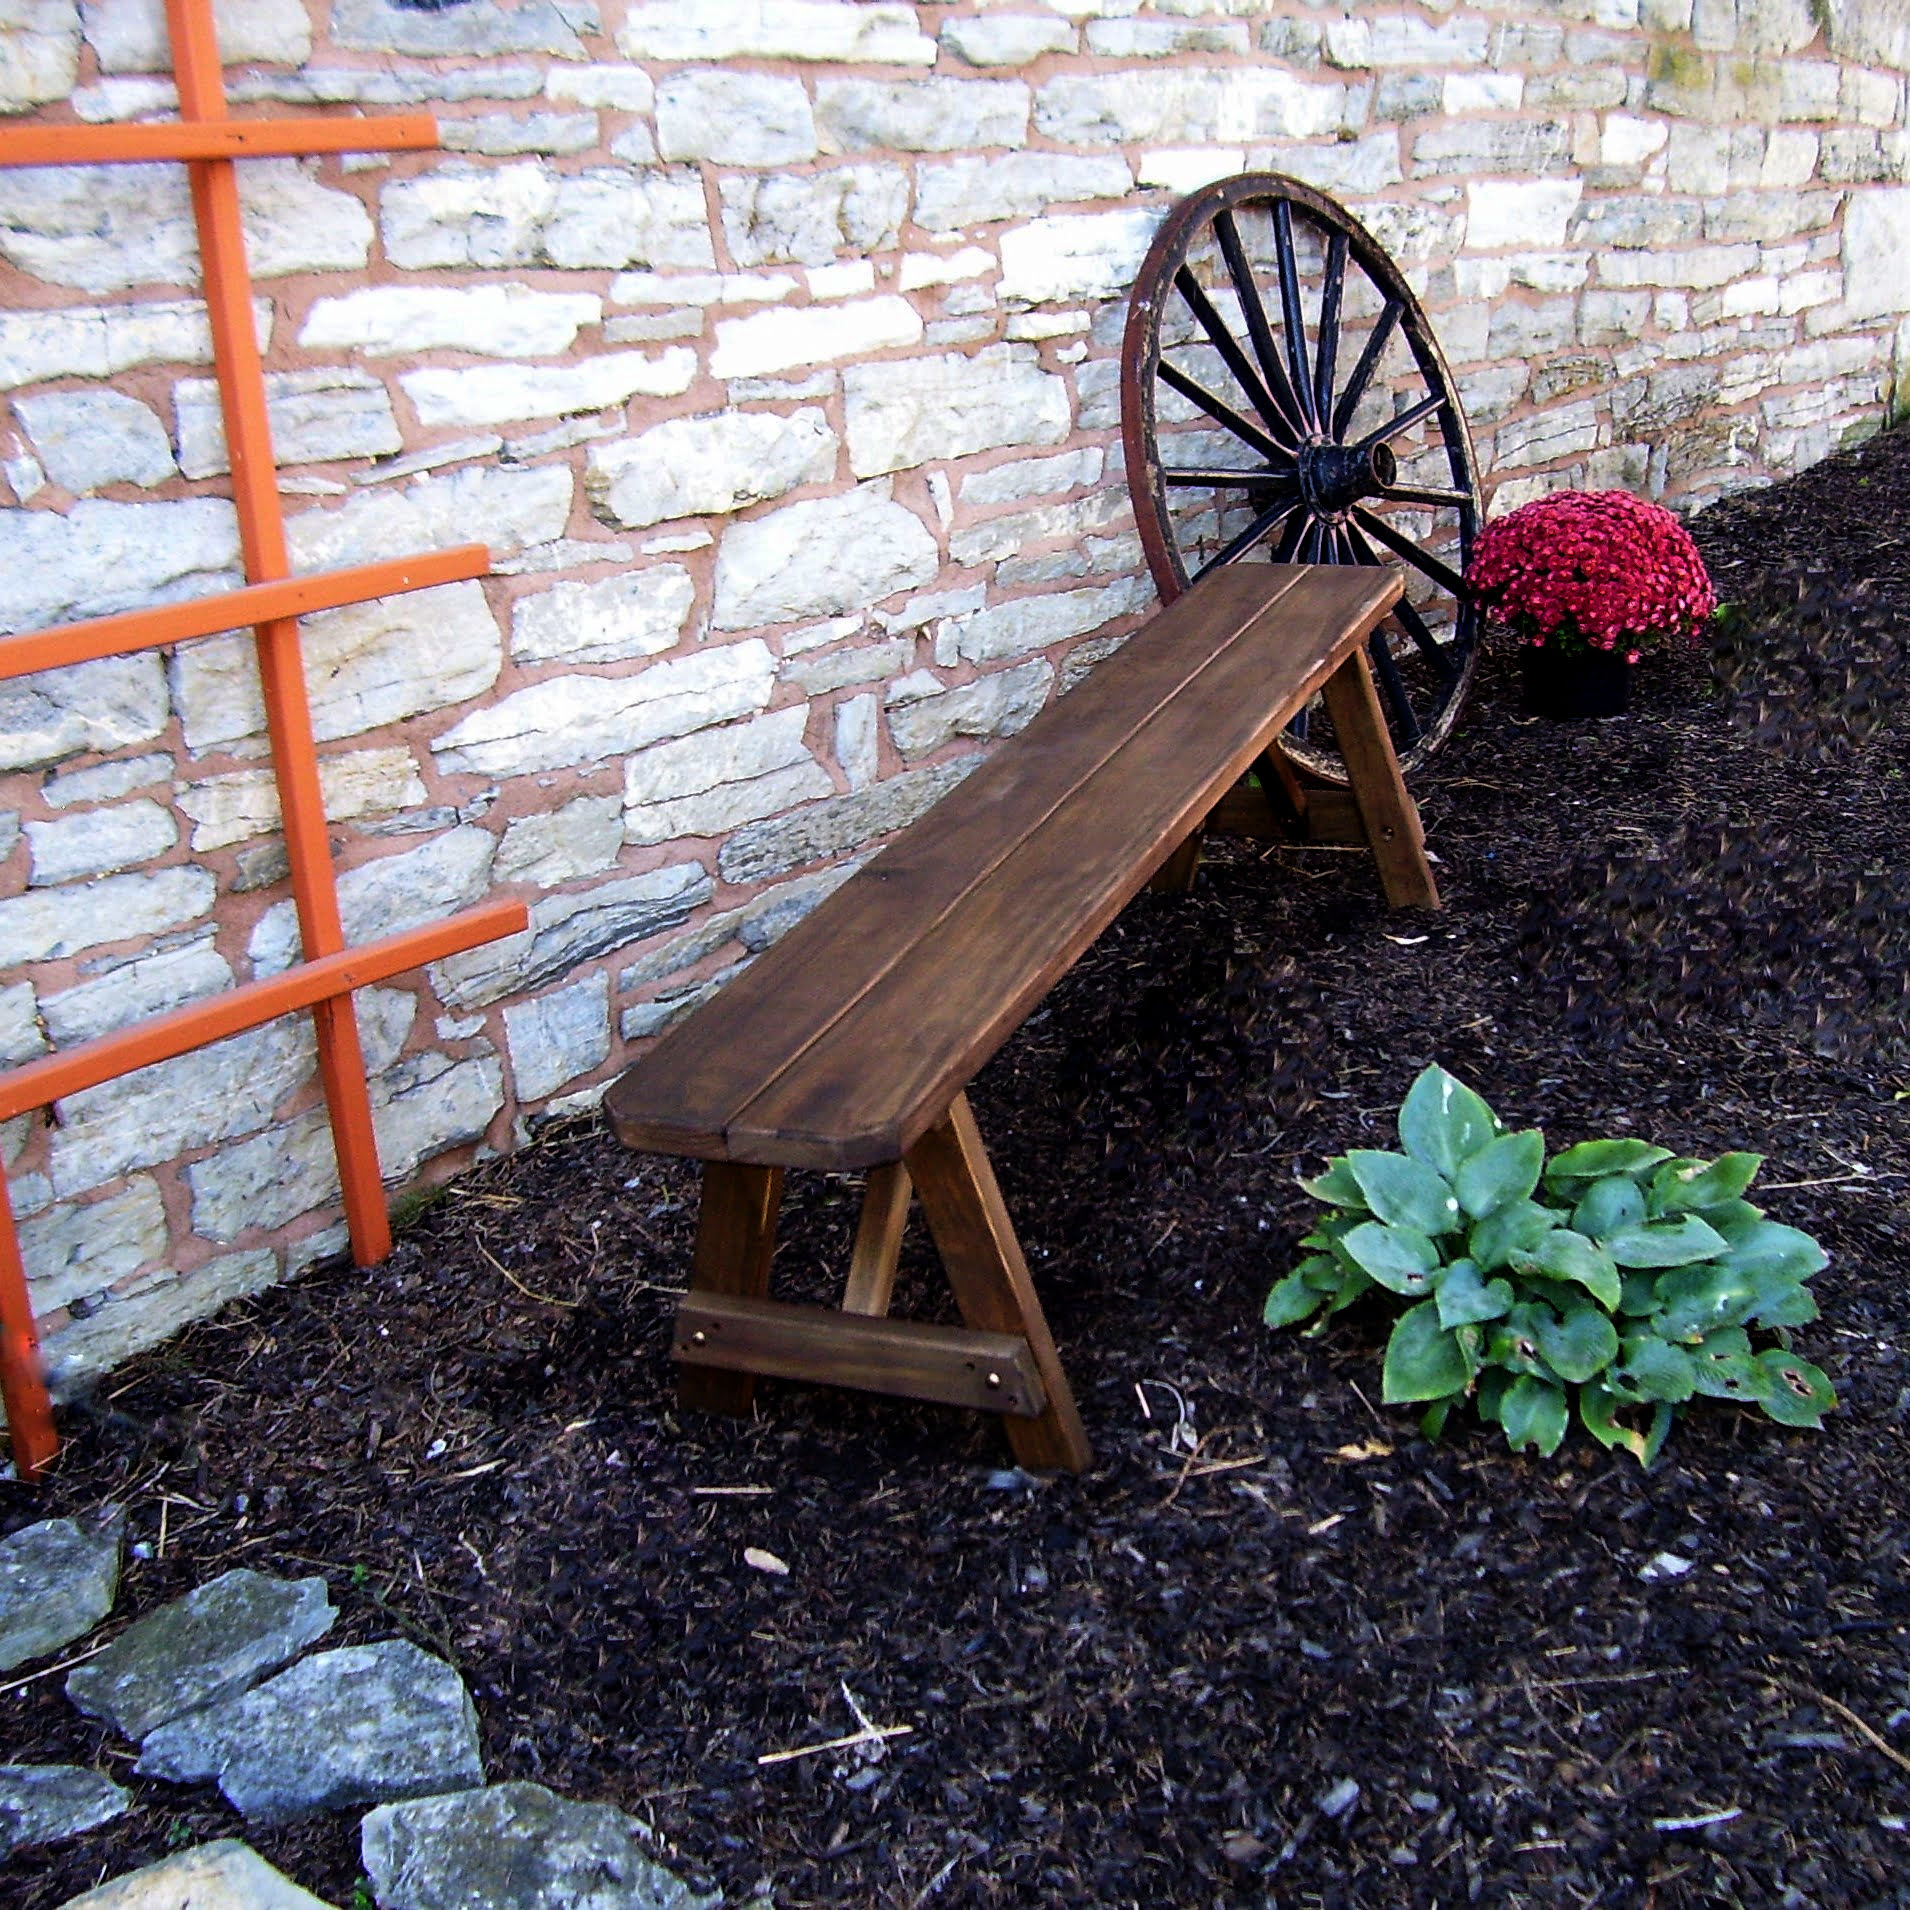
(212, 1644)
(515, 1847)
(44, 1803)
(227, 1875)
(364, 1725)
(58, 1579)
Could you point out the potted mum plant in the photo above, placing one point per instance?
(1587, 581)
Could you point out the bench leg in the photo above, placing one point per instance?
(1386, 809)
(735, 1236)
(885, 1212)
(978, 1247)
(1176, 875)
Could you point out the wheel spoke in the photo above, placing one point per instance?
(1328, 347)
(1401, 545)
(1363, 371)
(1421, 494)
(1255, 312)
(1236, 361)
(1291, 309)
(1252, 535)
(1392, 684)
(1406, 615)
(1221, 412)
(1219, 478)
(1402, 421)
(1290, 543)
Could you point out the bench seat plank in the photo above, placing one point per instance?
(921, 966)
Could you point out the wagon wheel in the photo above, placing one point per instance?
(1284, 400)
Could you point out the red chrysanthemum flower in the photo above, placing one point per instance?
(1592, 570)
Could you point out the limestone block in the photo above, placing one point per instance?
(385, 896)
(555, 1038)
(148, 983)
(496, 394)
(734, 119)
(1349, 166)
(45, 924)
(996, 705)
(128, 1324)
(365, 782)
(547, 850)
(1185, 105)
(872, 35)
(1871, 32)
(1033, 477)
(1754, 26)
(570, 720)
(1470, 147)
(368, 664)
(316, 416)
(707, 784)
(528, 26)
(620, 87)
(1695, 269)
(1563, 431)
(859, 739)
(908, 412)
(102, 705)
(48, 1803)
(499, 321)
(105, 228)
(806, 218)
(98, 841)
(680, 290)
(20, 1036)
(820, 558)
(630, 218)
(225, 1875)
(927, 115)
(1164, 39)
(129, 36)
(635, 614)
(721, 462)
(72, 1250)
(1033, 623)
(828, 829)
(483, 504)
(568, 930)
(1079, 663)
(87, 439)
(972, 191)
(777, 339)
(39, 52)
(516, 1847)
(1876, 248)
(1076, 255)
(501, 134)
(1523, 213)
(429, 1104)
(1007, 39)
(96, 341)
(99, 557)
(1520, 330)
(1405, 40)
(218, 1640)
(58, 1579)
(853, 663)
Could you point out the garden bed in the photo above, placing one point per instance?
(1157, 1684)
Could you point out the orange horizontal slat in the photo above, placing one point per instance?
(214, 139)
(40, 1082)
(235, 609)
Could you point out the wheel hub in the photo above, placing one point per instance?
(1334, 477)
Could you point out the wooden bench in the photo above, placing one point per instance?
(849, 1044)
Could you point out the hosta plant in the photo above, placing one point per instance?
(1613, 1277)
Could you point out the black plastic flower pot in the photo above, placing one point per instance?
(1568, 686)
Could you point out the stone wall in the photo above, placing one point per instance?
(772, 345)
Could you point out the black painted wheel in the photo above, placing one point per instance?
(1284, 400)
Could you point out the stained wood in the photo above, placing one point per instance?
(872, 1261)
(1176, 875)
(977, 1244)
(1332, 818)
(682, 1097)
(1389, 814)
(735, 1238)
(948, 1365)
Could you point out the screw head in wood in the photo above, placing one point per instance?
(698, 1338)
(994, 1379)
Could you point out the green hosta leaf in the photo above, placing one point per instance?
(1796, 1393)
(1493, 1386)
(1432, 1422)
(1770, 1249)
(1639, 1294)
(1503, 1171)
(1533, 1413)
(1291, 1301)
(1791, 1306)
(1727, 1368)
(1698, 1300)
(1609, 1206)
(1337, 1185)
(1399, 1258)
(1321, 1272)
(1566, 1255)
(1593, 1160)
(1404, 1192)
(1579, 1346)
(1598, 1409)
(1465, 1299)
(1666, 1243)
(1736, 1220)
(1443, 1123)
(1651, 1368)
(1514, 1229)
(1351, 1287)
(1423, 1360)
(1514, 1341)
(1692, 1186)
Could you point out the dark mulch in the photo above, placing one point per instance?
(1135, 1687)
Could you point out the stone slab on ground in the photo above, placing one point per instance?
(227, 1875)
(515, 1847)
(367, 1724)
(214, 1643)
(58, 1579)
(46, 1803)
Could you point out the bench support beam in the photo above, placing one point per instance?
(872, 1263)
(1390, 815)
(735, 1237)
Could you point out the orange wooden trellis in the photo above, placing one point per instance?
(272, 602)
